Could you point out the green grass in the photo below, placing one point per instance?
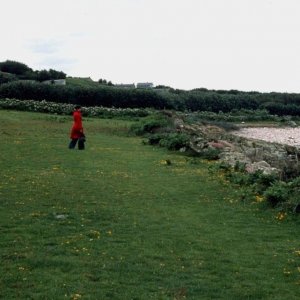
(116, 222)
(81, 82)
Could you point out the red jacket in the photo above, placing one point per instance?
(77, 129)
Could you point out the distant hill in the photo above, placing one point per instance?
(21, 71)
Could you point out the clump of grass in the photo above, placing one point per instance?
(155, 123)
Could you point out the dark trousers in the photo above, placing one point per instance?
(73, 143)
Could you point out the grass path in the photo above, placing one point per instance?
(115, 222)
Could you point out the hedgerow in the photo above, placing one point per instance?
(66, 109)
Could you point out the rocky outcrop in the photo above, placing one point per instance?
(270, 158)
(261, 155)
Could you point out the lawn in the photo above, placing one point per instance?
(116, 222)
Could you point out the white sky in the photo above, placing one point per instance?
(216, 44)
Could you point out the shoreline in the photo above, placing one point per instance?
(288, 135)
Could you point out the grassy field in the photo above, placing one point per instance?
(116, 222)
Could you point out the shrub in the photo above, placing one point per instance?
(261, 182)
(152, 124)
(239, 167)
(238, 178)
(277, 193)
(174, 141)
(209, 154)
(154, 139)
(222, 166)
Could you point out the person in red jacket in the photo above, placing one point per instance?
(77, 130)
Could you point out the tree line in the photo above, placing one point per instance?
(195, 100)
(161, 97)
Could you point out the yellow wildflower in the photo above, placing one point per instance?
(259, 198)
(280, 216)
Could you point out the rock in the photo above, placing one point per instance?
(271, 171)
(178, 123)
(226, 144)
(232, 158)
(61, 217)
(262, 164)
(216, 145)
(251, 153)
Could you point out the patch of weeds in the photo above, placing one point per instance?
(283, 195)
(210, 153)
(261, 182)
(265, 188)
(277, 193)
(238, 178)
(222, 166)
(239, 167)
(171, 141)
(289, 196)
(154, 139)
(152, 124)
(246, 194)
(174, 141)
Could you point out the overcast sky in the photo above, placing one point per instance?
(217, 44)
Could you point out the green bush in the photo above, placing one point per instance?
(209, 154)
(238, 178)
(222, 167)
(261, 182)
(154, 139)
(277, 193)
(174, 141)
(152, 124)
(257, 180)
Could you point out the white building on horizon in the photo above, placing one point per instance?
(144, 85)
